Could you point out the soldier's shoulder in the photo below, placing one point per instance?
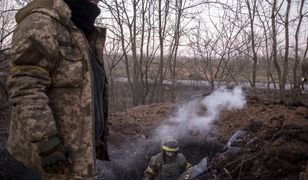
(36, 22)
(37, 18)
(156, 160)
(181, 158)
(181, 155)
(158, 156)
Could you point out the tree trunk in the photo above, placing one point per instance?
(297, 79)
(286, 55)
(274, 46)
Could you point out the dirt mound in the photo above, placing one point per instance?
(137, 122)
(277, 141)
(269, 151)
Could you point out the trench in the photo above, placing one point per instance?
(126, 164)
(130, 163)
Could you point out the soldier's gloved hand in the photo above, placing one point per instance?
(53, 156)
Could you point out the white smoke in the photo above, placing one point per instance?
(191, 119)
(198, 116)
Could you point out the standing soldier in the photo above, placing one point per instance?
(169, 164)
(58, 89)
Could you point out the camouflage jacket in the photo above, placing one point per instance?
(50, 86)
(160, 168)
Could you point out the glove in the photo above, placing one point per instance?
(53, 156)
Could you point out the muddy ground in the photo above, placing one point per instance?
(276, 145)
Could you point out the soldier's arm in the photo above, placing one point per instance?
(32, 57)
(183, 162)
(151, 170)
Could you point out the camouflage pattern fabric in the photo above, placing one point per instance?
(50, 87)
(158, 167)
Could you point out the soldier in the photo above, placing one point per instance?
(58, 89)
(169, 164)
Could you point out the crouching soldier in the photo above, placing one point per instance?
(169, 164)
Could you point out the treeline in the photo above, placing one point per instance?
(222, 39)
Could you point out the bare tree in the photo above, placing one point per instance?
(136, 29)
(296, 80)
(7, 24)
(179, 8)
(252, 8)
(163, 15)
(283, 79)
(215, 51)
(150, 34)
(274, 47)
(263, 14)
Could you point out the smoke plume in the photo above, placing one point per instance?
(197, 117)
(193, 118)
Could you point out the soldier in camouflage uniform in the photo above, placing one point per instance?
(169, 164)
(58, 89)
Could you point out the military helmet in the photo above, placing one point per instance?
(169, 143)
